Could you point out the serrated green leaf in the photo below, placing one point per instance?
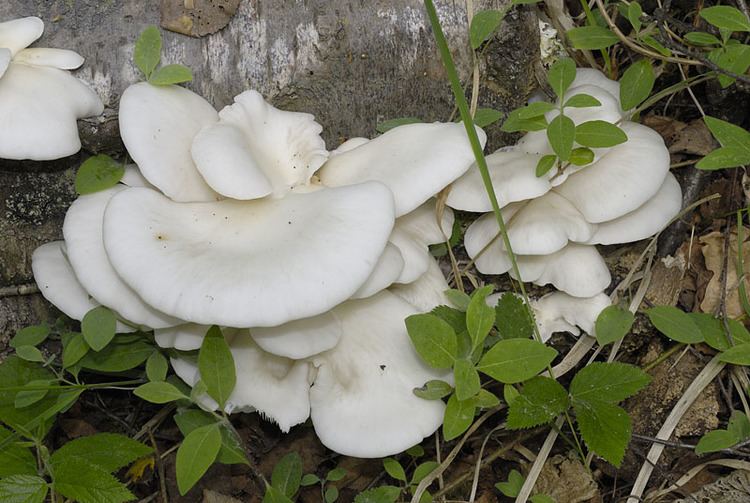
(453, 317)
(23, 489)
(386, 126)
(512, 318)
(394, 469)
(82, 481)
(422, 470)
(30, 336)
(158, 392)
(483, 24)
(157, 367)
(336, 474)
(675, 324)
(309, 479)
(591, 37)
(582, 101)
(716, 440)
(216, 366)
(726, 17)
(599, 134)
(382, 494)
(15, 459)
(516, 360)
(612, 324)
(434, 390)
(106, 451)
(535, 109)
(739, 425)
(24, 398)
(98, 173)
(467, 379)
(561, 75)
(74, 349)
(118, 357)
(98, 327)
(636, 83)
(736, 355)
(331, 494)
(459, 299)
(513, 486)
(702, 38)
(513, 123)
(581, 156)
(546, 163)
(29, 353)
(196, 453)
(434, 339)
(486, 400)
(486, 116)
(634, 15)
(147, 53)
(724, 157)
(561, 133)
(170, 75)
(479, 316)
(605, 428)
(608, 382)
(458, 417)
(541, 400)
(287, 474)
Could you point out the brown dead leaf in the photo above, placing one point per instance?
(692, 138)
(566, 480)
(210, 496)
(197, 18)
(75, 428)
(712, 246)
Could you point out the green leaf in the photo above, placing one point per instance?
(726, 18)
(196, 453)
(309, 479)
(612, 324)
(331, 494)
(675, 324)
(561, 134)
(29, 353)
(734, 58)
(716, 440)
(712, 330)
(434, 390)
(23, 489)
(159, 392)
(97, 173)
(541, 400)
(736, 355)
(516, 360)
(636, 83)
(483, 24)
(545, 164)
(73, 350)
(740, 334)
(156, 367)
(581, 156)
(513, 486)
(739, 425)
(118, 357)
(274, 495)
(17, 372)
(510, 393)
(231, 451)
(171, 74)
(467, 379)
(599, 134)
(604, 427)
(458, 298)
(656, 45)
(386, 126)
(702, 38)
(728, 134)
(535, 109)
(287, 474)
(434, 339)
(591, 37)
(724, 157)
(30, 336)
(336, 474)
(582, 101)
(486, 400)
(608, 382)
(15, 459)
(486, 116)
(98, 327)
(634, 15)
(561, 75)
(512, 318)
(415, 451)
(541, 498)
(382, 494)
(514, 123)
(479, 316)
(394, 469)
(147, 53)
(216, 366)
(85, 482)
(423, 470)
(106, 451)
(458, 417)
(24, 398)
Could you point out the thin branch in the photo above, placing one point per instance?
(18, 290)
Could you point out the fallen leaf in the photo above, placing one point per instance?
(712, 246)
(197, 18)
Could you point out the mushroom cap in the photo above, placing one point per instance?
(623, 179)
(427, 292)
(648, 219)
(248, 263)
(4, 60)
(39, 107)
(85, 248)
(592, 77)
(348, 145)
(18, 34)
(256, 149)
(415, 161)
(560, 312)
(362, 402)
(299, 339)
(132, 177)
(386, 272)
(158, 125)
(513, 175)
(185, 337)
(416, 255)
(59, 284)
(483, 242)
(63, 59)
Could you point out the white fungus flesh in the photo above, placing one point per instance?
(425, 292)
(560, 312)
(387, 271)
(17, 34)
(299, 339)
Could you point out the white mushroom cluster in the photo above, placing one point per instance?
(555, 221)
(40, 101)
(311, 260)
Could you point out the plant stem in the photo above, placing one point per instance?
(665, 355)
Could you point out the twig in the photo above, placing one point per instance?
(18, 290)
(541, 458)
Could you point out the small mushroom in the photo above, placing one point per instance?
(560, 312)
(427, 291)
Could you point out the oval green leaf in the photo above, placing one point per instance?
(98, 327)
(216, 366)
(561, 134)
(196, 453)
(434, 339)
(599, 134)
(516, 360)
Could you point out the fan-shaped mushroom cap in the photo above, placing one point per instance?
(251, 263)
(4, 60)
(427, 292)
(415, 161)
(18, 34)
(185, 337)
(39, 107)
(362, 402)
(256, 149)
(514, 179)
(59, 284)
(132, 177)
(158, 125)
(560, 312)
(648, 219)
(483, 242)
(55, 58)
(386, 272)
(85, 247)
(348, 145)
(300, 338)
(623, 179)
